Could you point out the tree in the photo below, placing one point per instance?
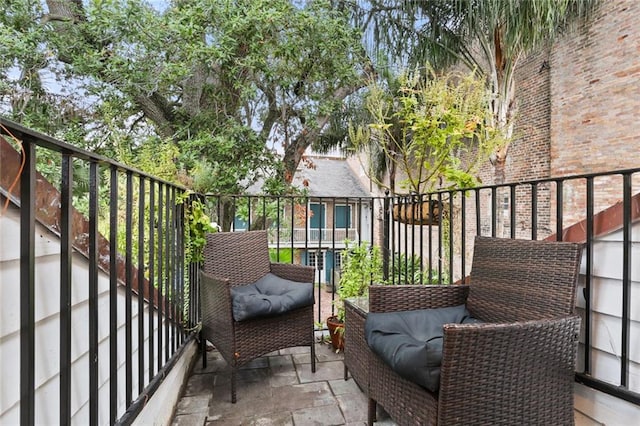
(490, 36)
(225, 81)
(431, 129)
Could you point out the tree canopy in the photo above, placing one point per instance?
(229, 83)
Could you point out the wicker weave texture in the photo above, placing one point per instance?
(518, 367)
(233, 259)
(356, 350)
(240, 257)
(518, 280)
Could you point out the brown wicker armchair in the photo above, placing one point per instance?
(238, 258)
(518, 367)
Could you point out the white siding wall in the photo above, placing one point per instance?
(606, 304)
(47, 339)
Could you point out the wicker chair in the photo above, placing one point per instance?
(515, 369)
(237, 258)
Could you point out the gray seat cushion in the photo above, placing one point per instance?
(410, 342)
(270, 295)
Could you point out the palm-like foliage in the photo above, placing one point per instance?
(491, 36)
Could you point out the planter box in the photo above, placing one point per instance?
(418, 212)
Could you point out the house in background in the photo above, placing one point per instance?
(340, 209)
(337, 208)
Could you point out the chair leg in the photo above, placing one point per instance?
(233, 384)
(371, 415)
(203, 351)
(346, 373)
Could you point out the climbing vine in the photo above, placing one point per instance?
(198, 224)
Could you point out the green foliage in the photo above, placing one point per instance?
(432, 130)
(283, 255)
(492, 37)
(198, 224)
(223, 81)
(361, 267)
(409, 270)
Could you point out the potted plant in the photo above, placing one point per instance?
(361, 266)
(429, 132)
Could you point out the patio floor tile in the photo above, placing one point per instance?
(277, 389)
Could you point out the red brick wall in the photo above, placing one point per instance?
(578, 116)
(595, 102)
(595, 93)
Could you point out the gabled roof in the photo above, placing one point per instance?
(329, 177)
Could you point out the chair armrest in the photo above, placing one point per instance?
(526, 367)
(215, 301)
(391, 298)
(293, 272)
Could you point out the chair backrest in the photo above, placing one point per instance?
(520, 280)
(241, 257)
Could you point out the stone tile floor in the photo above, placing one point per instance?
(278, 389)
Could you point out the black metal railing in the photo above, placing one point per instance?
(127, 228)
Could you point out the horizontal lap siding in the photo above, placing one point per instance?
(606, 308)
(47, 338)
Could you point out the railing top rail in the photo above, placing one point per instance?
(53, 144)
(442, 191)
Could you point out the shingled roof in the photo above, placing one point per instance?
(329, 177)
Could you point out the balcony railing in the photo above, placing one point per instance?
(141, 298)
(117, 331)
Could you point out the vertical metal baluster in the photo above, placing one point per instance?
(588, 277)
(478, 210)
(140, 278)
(66, 204)
(626, 280)
(161, 277)
(173, 260)
(559, 210)
(128, 283)
(27, 285)
(93, 292)
(168, 273)
(513, 211)
(151, 282)
(386, 227)
(451, 239)
(534, 211)
(430, 239)
(463, 226)
(421, 242)
(113, 296)
(278, 229)
(494, 208)
(440, 266)
(293, 225)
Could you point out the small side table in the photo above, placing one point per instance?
(356, 350)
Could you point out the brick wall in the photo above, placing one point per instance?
(578, 115)
(595, 101)
(595, 93)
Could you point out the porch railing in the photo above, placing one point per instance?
(118, 330)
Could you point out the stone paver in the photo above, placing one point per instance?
(277, 389)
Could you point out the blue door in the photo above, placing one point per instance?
(342, 216)
(316, 221)
(317, 216)
(328, 265)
